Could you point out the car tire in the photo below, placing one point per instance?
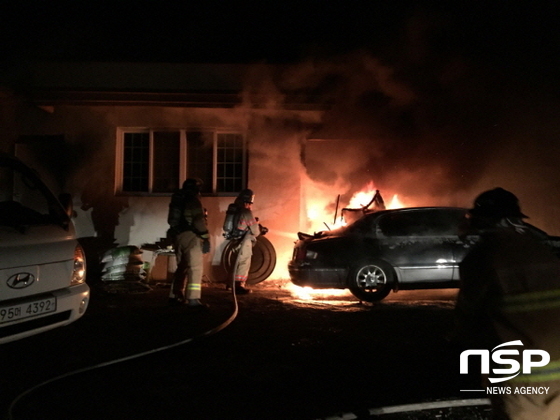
(371, 281)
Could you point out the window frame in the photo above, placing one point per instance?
(183, 159)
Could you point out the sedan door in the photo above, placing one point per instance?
(419, 243)
(460, 251)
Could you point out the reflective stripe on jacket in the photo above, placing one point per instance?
(510, 290)
(531, 301)
(247, 222)
(550, 372)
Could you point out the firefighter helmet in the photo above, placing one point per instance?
(497, 203)
(192, 185)
(246, 196)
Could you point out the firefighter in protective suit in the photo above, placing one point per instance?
(510, 290)
(248, 227)
(189, 232)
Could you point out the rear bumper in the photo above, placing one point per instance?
(318, 278)
(71, 304)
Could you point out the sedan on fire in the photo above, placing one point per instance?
(407, 248)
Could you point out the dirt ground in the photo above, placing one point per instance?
(274, 355)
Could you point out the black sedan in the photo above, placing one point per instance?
(407, 248)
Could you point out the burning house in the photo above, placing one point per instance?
(313, 142)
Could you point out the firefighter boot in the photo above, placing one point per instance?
(176, 301)
(240, 288)
(195, 304)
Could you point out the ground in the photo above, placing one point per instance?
(272, 356)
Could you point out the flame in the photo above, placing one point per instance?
(362, 198)
(313, 213)
(319, 219)
(395, 203)
(307, 293)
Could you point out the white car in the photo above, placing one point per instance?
(42, 266)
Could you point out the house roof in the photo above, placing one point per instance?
(117, 76)
(128, 84)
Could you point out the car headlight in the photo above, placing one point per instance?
(79, 269)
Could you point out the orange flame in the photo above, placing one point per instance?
(316, 210)
(307, 293)
(362, 198)
(395, 203)
(320, 220)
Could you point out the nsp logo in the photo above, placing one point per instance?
(499, 357)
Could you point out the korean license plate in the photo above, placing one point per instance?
(27, 310)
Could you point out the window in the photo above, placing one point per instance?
(158, 161)
(231, 150)
(422, 223)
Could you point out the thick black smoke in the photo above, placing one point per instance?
(452, 108)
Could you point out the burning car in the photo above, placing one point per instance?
(406, 248)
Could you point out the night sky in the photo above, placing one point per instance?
(506, 33)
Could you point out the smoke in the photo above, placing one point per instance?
(381, 126)
(434, 125)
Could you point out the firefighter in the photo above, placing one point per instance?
(189, 232)
(510, 290)
(249, 228)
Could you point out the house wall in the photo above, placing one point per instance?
(10, 108)
(274, 172)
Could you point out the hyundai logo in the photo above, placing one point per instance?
(20, 280)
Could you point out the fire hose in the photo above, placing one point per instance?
(131, 357)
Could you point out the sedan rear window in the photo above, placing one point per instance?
(421, 223)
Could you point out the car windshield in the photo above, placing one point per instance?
(24, 199)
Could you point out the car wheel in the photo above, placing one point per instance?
(371, 281)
